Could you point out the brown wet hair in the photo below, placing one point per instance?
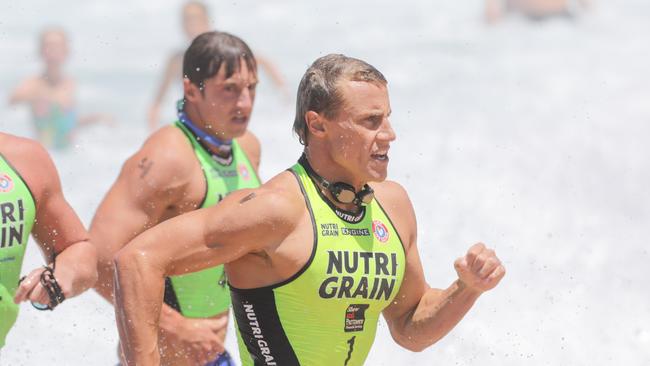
(209, 51)
(318, 90)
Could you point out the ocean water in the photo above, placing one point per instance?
(528, 136)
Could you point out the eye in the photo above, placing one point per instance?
(374, 121)
(229, 88)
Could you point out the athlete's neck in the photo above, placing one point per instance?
(195, 117)
(327, 168)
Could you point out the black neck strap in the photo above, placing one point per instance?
(360, 198)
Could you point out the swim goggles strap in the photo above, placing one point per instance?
(223, 146)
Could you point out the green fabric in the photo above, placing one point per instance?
(325, 324)
(205, 293)
(8, 313)
(17, 213)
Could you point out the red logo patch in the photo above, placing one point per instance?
(6, 183)
(243, 172)
(380, 231)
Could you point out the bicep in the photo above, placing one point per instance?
(245, 221)
(117, 221)
(132, 205)
(413, 287)
(399, 207)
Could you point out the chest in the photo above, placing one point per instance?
(355, 261)
(222, 180)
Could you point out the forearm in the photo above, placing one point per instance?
(138, 297)
(108, 243)
(436, 314)
(108, 240)
(106, 272)
(77, 262)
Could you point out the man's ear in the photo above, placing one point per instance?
(192, 92)
(315, 123)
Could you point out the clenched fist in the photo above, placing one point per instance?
(480, 269)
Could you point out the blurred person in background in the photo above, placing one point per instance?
(51, 94)
(204, 156)
(196, 20)
(533, 9)
(31, 202)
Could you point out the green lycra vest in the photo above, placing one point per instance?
(17, 213)
(327, 313)
(204, 294)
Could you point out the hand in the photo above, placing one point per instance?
(31, 289)
(200, 340)
(480, 269)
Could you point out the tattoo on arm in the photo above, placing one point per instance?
(247, 198)
(145, 165)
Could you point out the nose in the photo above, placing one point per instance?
(386, 132)
(245, 100)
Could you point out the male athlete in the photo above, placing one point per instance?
(195, 162)
(31, 202)
(317, 253)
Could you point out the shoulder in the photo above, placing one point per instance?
(279, 198)
(166, 158)
(275, 208)
(284, 190)
(396, 202)
(392, 195)
(32, 162)
(250, 144)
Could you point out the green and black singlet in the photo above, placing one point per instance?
(17, 214)
(205, 293)
(327, 313)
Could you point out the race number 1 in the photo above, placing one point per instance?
(350, 350)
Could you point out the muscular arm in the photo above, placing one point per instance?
(245, 221)
(420, 315)
(149, 182)
(57, 229)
